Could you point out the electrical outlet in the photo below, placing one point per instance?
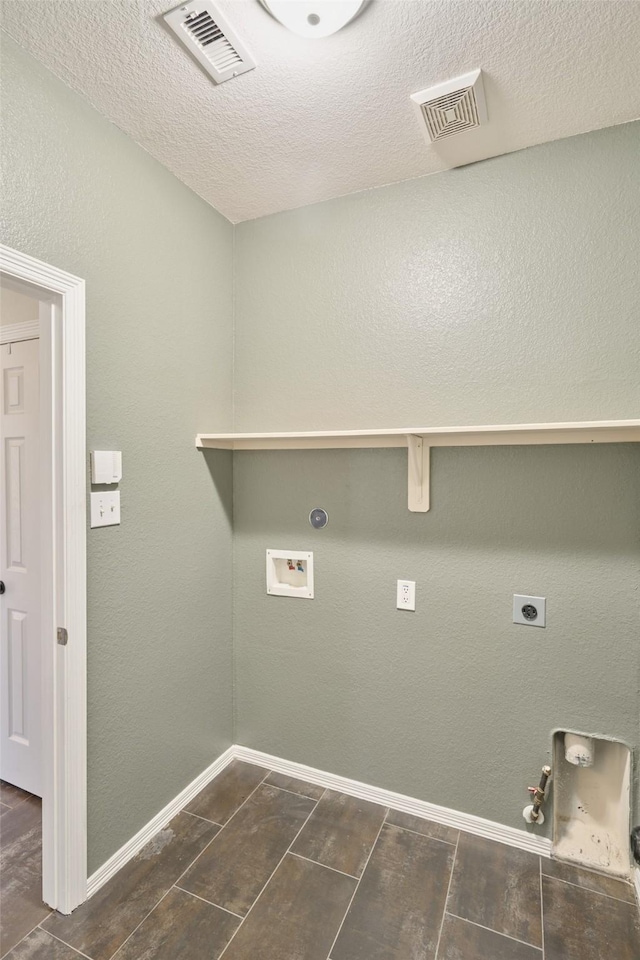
(406, 597)
(530, 611)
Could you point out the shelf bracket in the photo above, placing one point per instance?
(419, 473)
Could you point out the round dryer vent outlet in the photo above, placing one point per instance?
(318, 518)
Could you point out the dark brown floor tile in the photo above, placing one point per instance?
(11, 795)
(21, 825)
(39, 945)
(588, 880)
(295, 786)
(22, 908)
(297, 916)
(463, 940)
(397, 911)
(341, 832)
(99, 926)
(221, 798)
(181, 928)
(235, 867)
(21, 872)
(437, 831)
(582, 925)
(498, 887)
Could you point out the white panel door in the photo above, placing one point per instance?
(21, 661)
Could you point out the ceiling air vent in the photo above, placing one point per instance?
(452, 107)
(209, 38)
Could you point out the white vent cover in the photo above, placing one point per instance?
(452, 107)
(209, 38)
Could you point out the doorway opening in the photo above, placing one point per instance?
(43, 592)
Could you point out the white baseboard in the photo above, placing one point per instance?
(161, 819)
(420, 808)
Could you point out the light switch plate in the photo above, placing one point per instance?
(105, 508)
(530, 611)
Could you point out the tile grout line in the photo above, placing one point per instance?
(598, 893)
(157, 904)
(580, 868)
(294, 792)
(146, 917)
(206, 819)
(217, 834)
(498, 933)
(14, 806)
(364, 870)
(210, 902)
(60, 940)
(243, 921)
(325, 865)
(446, 899)
(541, 910)
(22, 939)
(418, 834)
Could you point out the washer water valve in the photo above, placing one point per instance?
(532, 813)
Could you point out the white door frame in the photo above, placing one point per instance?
(64, 577)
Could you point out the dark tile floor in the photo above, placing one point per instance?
(21, 906)
(266, 867)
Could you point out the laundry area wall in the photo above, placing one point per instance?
(502, 292)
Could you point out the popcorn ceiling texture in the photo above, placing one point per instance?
(319, 119)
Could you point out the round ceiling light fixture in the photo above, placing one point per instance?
(314, 18)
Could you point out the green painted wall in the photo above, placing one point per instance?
(157, 262)
(506, 291)
(503, 291)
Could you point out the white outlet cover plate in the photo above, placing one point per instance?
(105, 508)
(406, 597)
(540, 603)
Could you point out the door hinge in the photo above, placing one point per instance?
(63, 636)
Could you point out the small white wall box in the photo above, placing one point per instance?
(290, 573)
(106, 466)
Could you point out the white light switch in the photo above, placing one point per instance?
(105, 508)
(406, 599)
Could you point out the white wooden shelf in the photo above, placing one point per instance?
(419, 440)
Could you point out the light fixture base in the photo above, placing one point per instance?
(314, 18)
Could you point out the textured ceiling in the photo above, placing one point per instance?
(322, 118)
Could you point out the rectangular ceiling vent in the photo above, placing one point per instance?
(452, 107)
(210, 39)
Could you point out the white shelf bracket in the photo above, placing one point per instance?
(419, 473)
